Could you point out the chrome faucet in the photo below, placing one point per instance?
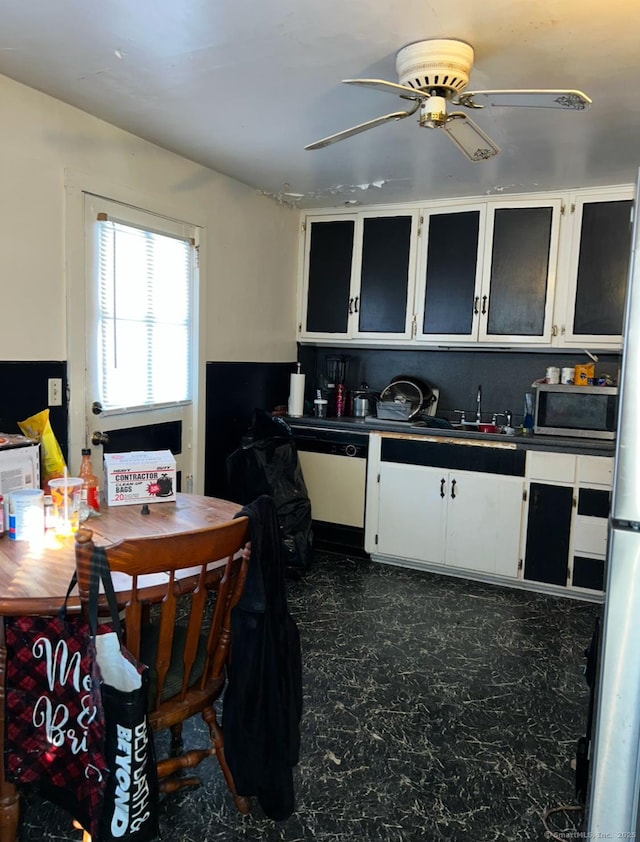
(478, 404)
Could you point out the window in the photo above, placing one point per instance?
(142, 312)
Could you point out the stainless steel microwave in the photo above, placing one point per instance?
(582, 411)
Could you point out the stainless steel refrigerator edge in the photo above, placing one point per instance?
(612, 804)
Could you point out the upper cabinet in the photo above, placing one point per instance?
(487, 272)
(533, 271)
(591, 311)
(359, 276)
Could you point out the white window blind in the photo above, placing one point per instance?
(144, 318)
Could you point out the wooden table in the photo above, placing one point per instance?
(34, 578)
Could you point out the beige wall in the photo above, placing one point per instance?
(251, 242)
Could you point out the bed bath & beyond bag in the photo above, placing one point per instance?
(77, 728)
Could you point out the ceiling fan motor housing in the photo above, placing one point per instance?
(436, 63)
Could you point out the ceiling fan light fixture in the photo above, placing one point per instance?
(433, 112)
(436, 63)
(435, 72)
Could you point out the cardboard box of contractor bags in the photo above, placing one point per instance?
(143, 476)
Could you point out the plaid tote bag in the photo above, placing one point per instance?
(55, 725)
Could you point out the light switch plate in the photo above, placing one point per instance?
(55, 391)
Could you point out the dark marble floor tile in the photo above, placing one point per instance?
(434, 709)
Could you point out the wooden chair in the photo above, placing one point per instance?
(170, 625)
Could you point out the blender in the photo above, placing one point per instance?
(335, 375)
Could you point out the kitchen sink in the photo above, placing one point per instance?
(483, 430)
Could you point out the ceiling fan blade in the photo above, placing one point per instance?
(388, 87)
(469, 137)
(569, 100)
(361, 127)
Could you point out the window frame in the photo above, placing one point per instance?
(123, 215)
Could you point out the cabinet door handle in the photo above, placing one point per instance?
(453, 489)
(476, 301)
(442, 487)
(350, 306)
(355, 304)
(484, 304)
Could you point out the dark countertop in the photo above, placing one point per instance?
(561, 444)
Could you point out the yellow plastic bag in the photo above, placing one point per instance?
(52, 462)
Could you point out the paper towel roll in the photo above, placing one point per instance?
(296, 395)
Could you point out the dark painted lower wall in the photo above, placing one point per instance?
(24, 391)
(233, 392)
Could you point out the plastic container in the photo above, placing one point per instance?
(320, 407)
(26, 514)
(66, 493)
(553, 375)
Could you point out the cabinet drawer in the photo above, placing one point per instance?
(595, 470)
(460, 457)
(590, 535)
(551, 467)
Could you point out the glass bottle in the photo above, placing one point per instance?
(90, 496)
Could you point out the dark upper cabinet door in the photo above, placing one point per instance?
(382, 301)
(548, 531)
(518, 300)
(603, 267)
(330, 245)
(449, 302)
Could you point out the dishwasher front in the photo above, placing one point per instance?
(334, 467)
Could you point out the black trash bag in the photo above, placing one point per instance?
(267, 463)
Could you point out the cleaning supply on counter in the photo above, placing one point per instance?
(296, 394)
(527, 416)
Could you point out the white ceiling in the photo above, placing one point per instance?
(242, 85)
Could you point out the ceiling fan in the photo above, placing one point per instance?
(436, 72)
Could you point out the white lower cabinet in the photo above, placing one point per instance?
(535, 519)
(460, 519)
(565, 527)
(411, 520)
(483, 523)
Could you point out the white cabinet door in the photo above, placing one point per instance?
(385, 269)
(487, 271)
(412, 512)
(591, 312)
(449, 283)
(483, 523)
(326, 292)
(519, 274)
(358, 276)
(462, 519)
